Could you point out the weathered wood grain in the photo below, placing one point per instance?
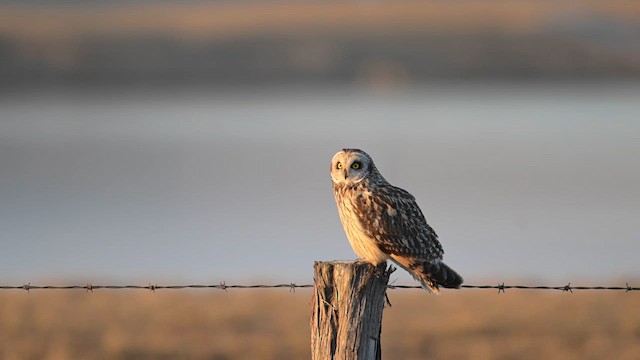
(348, 300)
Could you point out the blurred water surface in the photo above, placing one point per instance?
(520, 181)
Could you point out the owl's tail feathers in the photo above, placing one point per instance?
(431, 274)
(441, 274)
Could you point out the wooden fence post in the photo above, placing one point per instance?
(348, 299)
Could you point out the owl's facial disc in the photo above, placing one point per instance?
(349, 167)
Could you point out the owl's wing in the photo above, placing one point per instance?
(391, 217)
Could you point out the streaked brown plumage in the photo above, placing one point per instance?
(384, 222)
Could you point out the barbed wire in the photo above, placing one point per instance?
(501, 287)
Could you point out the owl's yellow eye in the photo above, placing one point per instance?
(355, 165)
(339, 165)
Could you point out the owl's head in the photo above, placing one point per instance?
(350, 166)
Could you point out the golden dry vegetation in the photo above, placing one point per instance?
(221, 20)
(377, 44)
(274, 324)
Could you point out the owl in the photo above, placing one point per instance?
(384, 222)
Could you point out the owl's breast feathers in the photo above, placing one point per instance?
(390, 218)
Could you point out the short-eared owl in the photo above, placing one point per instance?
(384, 222)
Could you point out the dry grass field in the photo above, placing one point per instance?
(274, 324)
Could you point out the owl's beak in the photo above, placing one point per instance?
(346, 174)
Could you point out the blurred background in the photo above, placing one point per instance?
(184, 142)
(144, 140)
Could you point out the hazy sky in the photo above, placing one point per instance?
(529, 182)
